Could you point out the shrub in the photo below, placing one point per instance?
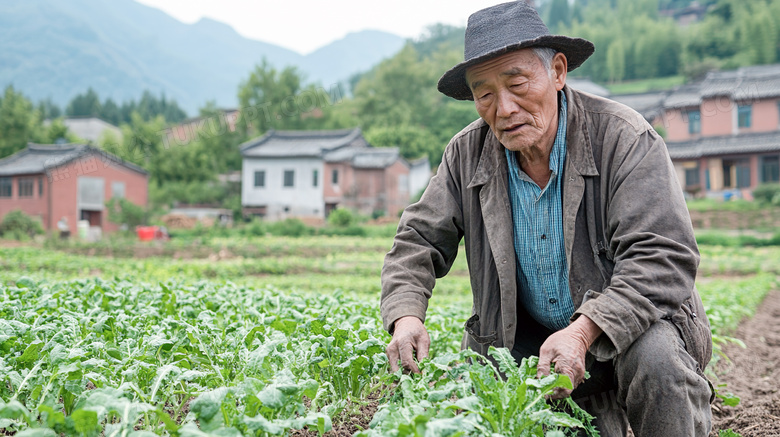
(767, 193)
(342, 218)
(349, 231)
(18, 225)
(291, 227)
(254, 228)
(124, 212)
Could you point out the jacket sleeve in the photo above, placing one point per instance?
(425, 245)
(651, 242)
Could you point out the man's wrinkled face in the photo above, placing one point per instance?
(517, 97)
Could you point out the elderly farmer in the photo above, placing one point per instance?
(579, 244)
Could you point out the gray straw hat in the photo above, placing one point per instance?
(504, 28)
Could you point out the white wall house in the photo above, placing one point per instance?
(282, 171)
(284, 187)
(292, 174)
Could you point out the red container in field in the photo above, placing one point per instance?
(146, 233)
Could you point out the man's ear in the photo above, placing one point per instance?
(559, 68)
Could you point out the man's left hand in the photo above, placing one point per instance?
(567, 348)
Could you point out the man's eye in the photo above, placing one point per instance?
(485, 96)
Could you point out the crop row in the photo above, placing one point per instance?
(97, 357)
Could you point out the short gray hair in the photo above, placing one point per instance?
(546, 55)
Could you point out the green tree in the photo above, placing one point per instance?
(110, 112)
(56, 131)
(616, 61)
(18, 122)
(273, 99)
(84, 105)
(48, 110)
(413, 141)
(216, 139)
(560, 15)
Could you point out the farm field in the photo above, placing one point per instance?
(287, 341)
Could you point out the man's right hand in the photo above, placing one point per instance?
(409, 336)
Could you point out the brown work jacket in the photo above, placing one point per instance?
(618, 181)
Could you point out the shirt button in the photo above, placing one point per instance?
(544, 236)
(553, 300)
(503, 261)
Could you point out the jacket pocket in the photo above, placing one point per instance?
(695, 333)
(473, 328)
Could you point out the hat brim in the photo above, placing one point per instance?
(577, 50)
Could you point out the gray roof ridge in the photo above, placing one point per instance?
(77, 150)
(330, 133)
(349, 135)
(744, 135)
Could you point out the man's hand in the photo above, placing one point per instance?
(409, 336)
(566, 348)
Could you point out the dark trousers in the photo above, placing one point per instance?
(530, 336)
(655, 385)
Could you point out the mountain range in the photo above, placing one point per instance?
(57, 49)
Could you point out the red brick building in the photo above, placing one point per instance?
(723, 132)
(72, 181)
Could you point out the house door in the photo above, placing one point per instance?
(329, 208)
(93, 217)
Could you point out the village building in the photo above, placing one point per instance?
(92, 129)
(308, 174)
(70, 181)
(722, 132)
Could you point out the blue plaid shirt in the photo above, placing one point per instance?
(537, 214)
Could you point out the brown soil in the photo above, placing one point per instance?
(348, 422)
(753, 374)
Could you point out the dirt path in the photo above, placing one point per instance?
(753, 374)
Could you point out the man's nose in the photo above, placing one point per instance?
(506, 104)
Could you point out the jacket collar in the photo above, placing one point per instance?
(578, 148)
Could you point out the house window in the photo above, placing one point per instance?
(118, 190)
(744, 116)
(770, 169)
(315, 177)
(694, 122)
(26, 187)
(289, 178)
(403, 183)
(334, 177)
(260, 179)
(692, 176)
(40, 186)
(6, 187)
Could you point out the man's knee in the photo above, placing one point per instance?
(659, 382)
(659, 353)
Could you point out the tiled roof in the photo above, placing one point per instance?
(743, 84)
(649, 104)
(686, 95)
(365, 157)
(376, 157)
(588, 86)
(284, 144)
(38, 158)
(342, 154)
(725, 145)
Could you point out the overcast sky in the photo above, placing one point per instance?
(305, 25)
